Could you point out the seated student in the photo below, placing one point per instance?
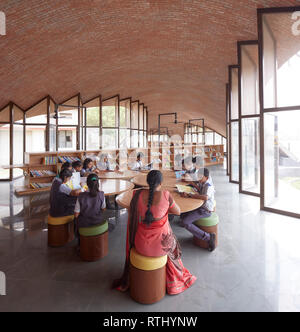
(89, 205)
(66, 165)
(105, 164)
(191, 171)
(88, 167)
(138, 166)
(205, 191)
(62, 197)
(77, 166)
(139, 163)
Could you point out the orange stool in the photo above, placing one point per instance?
(60, 230)
(147, 277)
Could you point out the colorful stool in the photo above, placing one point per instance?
(94, 242)
(60, 230)
(147, 277)
(208, 225)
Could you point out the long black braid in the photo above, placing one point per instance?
(154, 179)
(93, 184)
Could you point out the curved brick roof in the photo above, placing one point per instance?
(170, 54)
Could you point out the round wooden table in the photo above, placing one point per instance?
(113, 187)
(185, 204)
(169, 180)
(120, 175)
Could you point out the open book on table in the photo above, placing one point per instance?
(185, 189)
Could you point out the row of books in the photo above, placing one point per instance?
(35, 173)
(63, 159)
(50, 160)
(40, 185)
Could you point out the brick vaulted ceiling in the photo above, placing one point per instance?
(172, 55)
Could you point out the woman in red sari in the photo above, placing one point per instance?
(149, 231)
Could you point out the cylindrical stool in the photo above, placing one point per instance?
(208, 225)
(94, 242)
(60, 230)
(147, 277)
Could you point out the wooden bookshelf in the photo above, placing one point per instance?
(214, 155)
(41, 168)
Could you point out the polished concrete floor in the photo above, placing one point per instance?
(255, 268)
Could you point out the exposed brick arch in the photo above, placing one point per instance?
(171, 54)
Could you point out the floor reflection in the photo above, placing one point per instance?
(29, 213)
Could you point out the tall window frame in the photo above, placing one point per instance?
(265, 109)
(234, 177)
(245, 115)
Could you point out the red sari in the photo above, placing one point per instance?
(157, 239)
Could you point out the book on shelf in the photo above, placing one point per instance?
(64, 159)
(50, 160)
(40, 185)
(40, 173)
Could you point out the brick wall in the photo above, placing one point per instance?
(172, 55)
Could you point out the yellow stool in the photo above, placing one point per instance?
(60, 230)
(147, 277)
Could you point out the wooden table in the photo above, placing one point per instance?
(169, 180)
(115, 187)
(185, 204)
(121, 175)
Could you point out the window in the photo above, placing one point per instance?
(135, 139)
(209, 138)
(250, 155)
(109, 138)
(141, 117)
(5, 145)
(35, 138)
(282, 160)
(92, 116)
(66, 138)
(92, 138)
(135, 115)
(234, 151)
(280, 112)
(234, 95)
(250, 151)
(109, 112)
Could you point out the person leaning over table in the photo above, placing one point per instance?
(88, 168)
(77, 166)
(204, 191)
(62, 197)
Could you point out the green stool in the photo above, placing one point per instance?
(94, 242)
(208, 225)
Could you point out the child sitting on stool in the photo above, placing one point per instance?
(205, 191)
(62, 197)
(89, 205)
